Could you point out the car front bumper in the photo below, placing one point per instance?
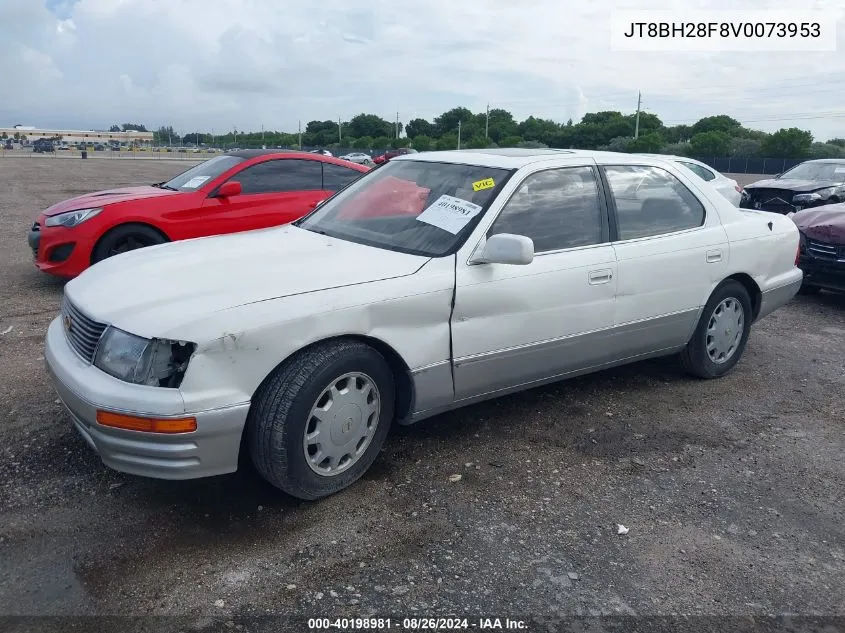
(823, 273)
(83, 389)
(60, 251)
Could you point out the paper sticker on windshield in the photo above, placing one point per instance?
(195, 182)
(839, 170)
(450, 214)
(480, 185)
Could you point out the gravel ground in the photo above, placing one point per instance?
(732, 490)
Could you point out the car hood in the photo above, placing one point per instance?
(152, 291)
(110, 196)
(826, 224)
(791, 184)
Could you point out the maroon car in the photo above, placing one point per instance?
(822, 247)
(393, 153)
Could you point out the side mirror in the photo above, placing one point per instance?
(506, 248)
(229, 189)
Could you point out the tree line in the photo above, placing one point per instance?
(712, 136)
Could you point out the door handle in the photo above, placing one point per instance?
(600, 276)
(714, 256)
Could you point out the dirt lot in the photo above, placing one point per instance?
(732, 489)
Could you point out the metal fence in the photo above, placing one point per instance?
(738, 165)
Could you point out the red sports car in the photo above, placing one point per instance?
(240, 191)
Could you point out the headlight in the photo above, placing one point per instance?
(143, 361)
(816, 196)
(72, 218)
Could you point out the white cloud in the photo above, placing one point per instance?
(199, 64)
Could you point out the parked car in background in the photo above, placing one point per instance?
(242, 191)
(813, 183)
(358, 157)
(728, 187)
(393, 153)
(822, 247)
(43, 146)
(488, 272)
(323, 152)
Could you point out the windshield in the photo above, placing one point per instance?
(816, 171)
(197, 176)
(418, 207)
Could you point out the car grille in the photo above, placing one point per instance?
(83, 333)
(777, 200)
(825, 250)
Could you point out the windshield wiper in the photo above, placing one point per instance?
(161, 185)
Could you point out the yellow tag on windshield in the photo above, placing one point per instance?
(480, 185)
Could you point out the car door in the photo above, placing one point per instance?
(518, 324)
(671, 250)
(273, 192)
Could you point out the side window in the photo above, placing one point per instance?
(336, 177)
(651, 201)
(699, 171)
(557, 208)
(274, 176)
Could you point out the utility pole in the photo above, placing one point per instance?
(487, 124)
(339, 131)
(300, 135)
(637, 124)
(459, 135)
(262, 134)
(397, 125)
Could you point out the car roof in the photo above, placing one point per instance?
(835, 161)
(254, 153)
(292, 153)
(515, 158)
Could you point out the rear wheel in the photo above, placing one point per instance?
(721, 334)
(125, 238)
(317, 424)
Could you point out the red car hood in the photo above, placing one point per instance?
(825, 223)
(110, 196)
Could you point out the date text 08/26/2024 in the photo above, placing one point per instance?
(417, 624)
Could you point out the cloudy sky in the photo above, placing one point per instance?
(219, 64)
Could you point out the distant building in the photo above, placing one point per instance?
(31, 134)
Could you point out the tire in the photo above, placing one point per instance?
(809, 290)
(125, 238)
(695, 359)
(282, 412)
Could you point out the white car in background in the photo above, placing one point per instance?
(358, 157)
(438, 280)
(728, 187)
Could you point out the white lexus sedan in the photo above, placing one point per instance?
(728, 187)
(436, 281)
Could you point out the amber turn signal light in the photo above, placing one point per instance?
(149, 425)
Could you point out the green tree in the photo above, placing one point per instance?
(744, 148)
(618, 144)
(532, 145)
(787, 143)
(646, 143)
(534, 129)
(447, 141)
(717, 123)
(501, 124)
(421, 142)
(447, 123)
(825, 150)
(369, 125)
(477, 142)
(837, 141)
(115, 128)
(648, 122)
(677, 133)
(381, 142)
(402, 141)
(419, 127)
(677, 149)
(712, 143)
(133, 127)
(363, 142)
(511, 141)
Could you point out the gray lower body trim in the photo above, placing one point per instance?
(774, 298)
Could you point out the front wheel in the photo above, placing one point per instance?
(125, 238)
(721, 334)
(317, 424)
